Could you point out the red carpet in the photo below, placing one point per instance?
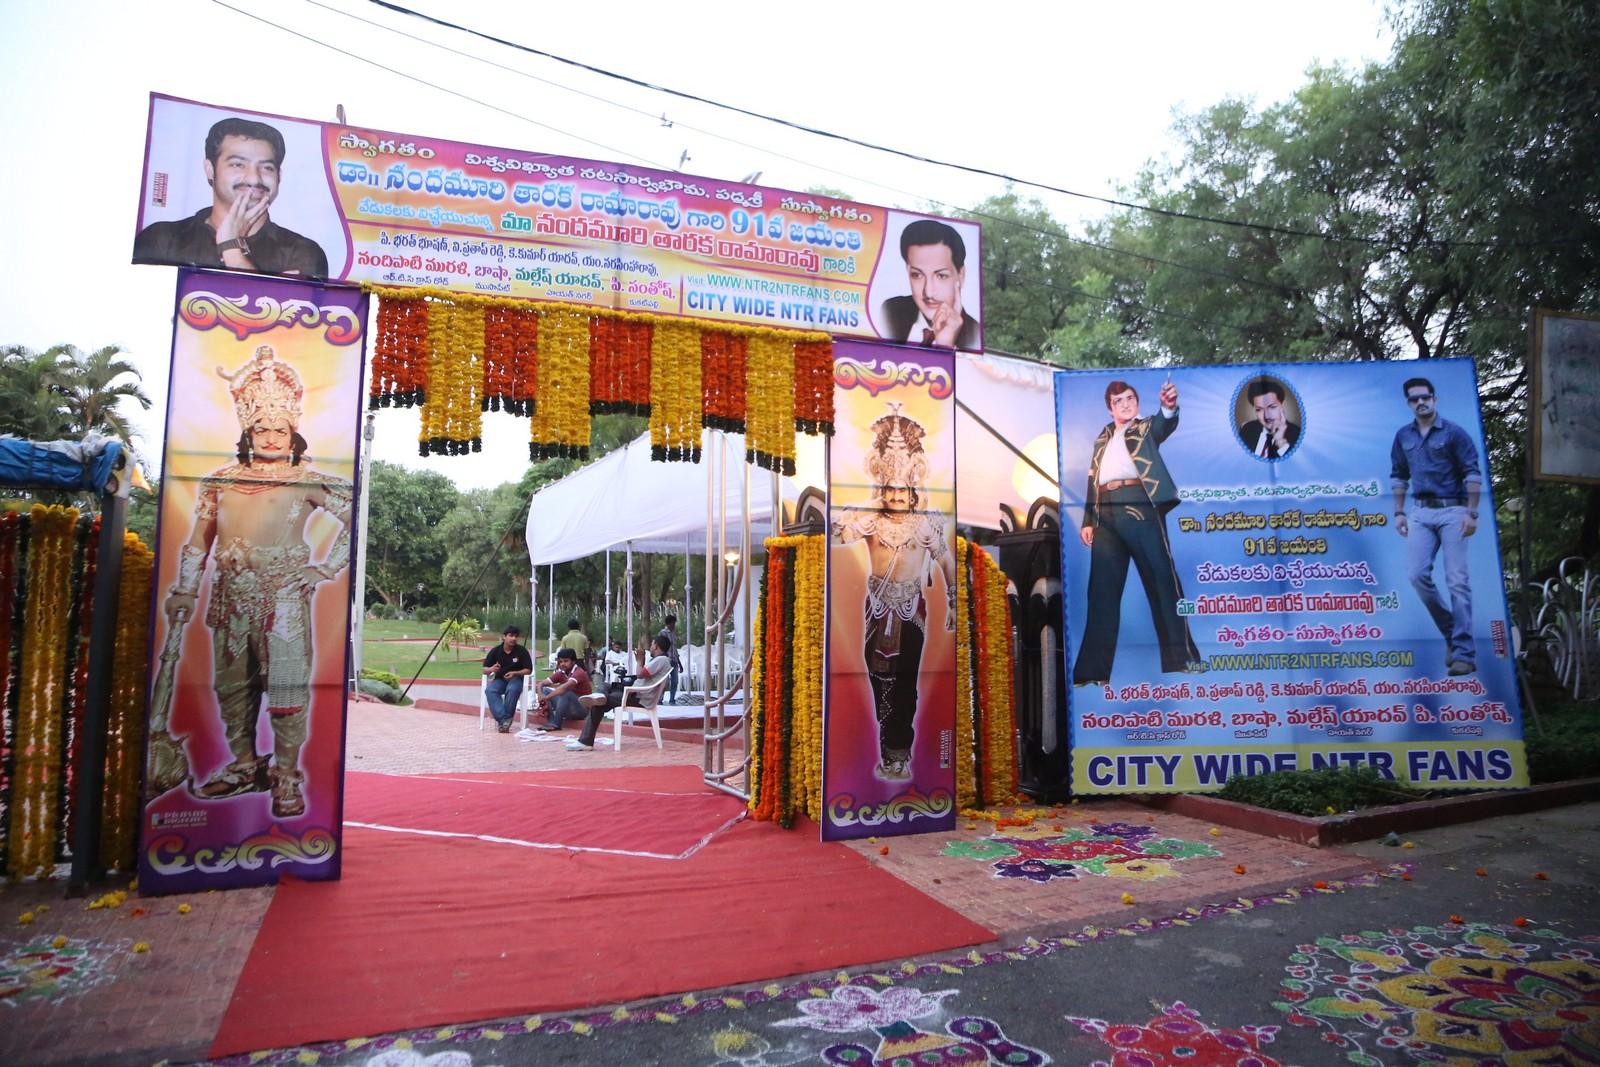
(546, 813)
(425, 931)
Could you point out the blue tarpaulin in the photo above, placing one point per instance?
(83, 465)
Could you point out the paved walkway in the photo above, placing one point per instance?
(1229, 926)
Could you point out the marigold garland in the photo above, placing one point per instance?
(510, 359)
(560, 427)
(619, 366)
(34, 802)
(722, 373)
(399, 354)
(119, 828)
(675, 392)
(769, 404)
(48, 566)
(772, 382)
(786, 691)
(984, 635)
(966, 776)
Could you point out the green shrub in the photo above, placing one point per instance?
(1565, 744)
(374, 688)
(1314, 792)
(388, 678)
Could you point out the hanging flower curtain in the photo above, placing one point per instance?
(785, 699)
(47, 579)
(459, 355)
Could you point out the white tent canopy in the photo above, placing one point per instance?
(661, 507)
(625, 498)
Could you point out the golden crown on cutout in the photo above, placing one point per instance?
(897, 458)
(265, 390)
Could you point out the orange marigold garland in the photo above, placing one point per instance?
(443, 349)
(722, 374)
(966, 772)
(813, 387)
(510, 358)
(560, 428)
(769, 402)
(619, 366)
(400, 354)
(675, 394)
(119, 831)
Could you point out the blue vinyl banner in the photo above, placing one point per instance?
(1280, 567)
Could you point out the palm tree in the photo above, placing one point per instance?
(89, 386)
(30, 404)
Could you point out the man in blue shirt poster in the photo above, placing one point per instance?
(1436, 460)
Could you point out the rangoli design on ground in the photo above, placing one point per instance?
(38, 970)
(1112, 850)
(1178, 1035)
(1470, 993)
(968, 1040)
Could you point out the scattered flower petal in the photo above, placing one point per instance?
(184, 909)
(141, 946)
(1214, 832)
(1481, 873)
(25, 918)
(1239, 868)
(1320, 885)
(1540, 876)
(1519, 921)
(883, 851)
(1127, 898)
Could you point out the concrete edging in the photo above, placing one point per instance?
(1374, 822)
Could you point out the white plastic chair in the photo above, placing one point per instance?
(648, 696)
(524, 702)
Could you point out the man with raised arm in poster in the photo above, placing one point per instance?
(243, 166)
(1437, 462)
(254, 514)
(1125, 510)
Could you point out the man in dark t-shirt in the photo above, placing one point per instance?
(507, 665)
(243, 166)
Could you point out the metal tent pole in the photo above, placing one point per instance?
(627, 595)
(607, 634)
(358, 566)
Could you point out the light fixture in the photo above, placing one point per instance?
(731, 557)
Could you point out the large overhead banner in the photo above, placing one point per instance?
(1280, 567)
(245, 190)
(245, 778)
(889, 733)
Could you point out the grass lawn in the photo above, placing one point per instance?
(403, 659)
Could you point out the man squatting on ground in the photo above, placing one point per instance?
(507, 664)
(659, 664)
(255, 513)
(559, 693)
(1438, 462)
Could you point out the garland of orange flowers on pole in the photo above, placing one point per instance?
(564, 362)
(786, 690)
(13, 595)
(988, 761)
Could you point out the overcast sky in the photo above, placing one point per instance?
(1073, 95)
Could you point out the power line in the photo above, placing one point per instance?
(433, 85)
(1048, 232)
(1287, 231)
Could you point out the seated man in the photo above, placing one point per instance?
(657, 666)
(559, 693)
(618, 663)
(508, 664)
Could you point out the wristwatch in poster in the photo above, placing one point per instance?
(230, 245)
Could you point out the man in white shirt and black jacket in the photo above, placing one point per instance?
(657, 665)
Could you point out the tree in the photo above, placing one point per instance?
(405, 552)
(91, 386)
(1420, 207)
(30, 406)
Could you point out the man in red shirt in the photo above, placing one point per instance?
(559, 693)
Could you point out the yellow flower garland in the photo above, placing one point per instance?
(769, 403)
(119, 829)
(560, 425)
(806, 636)
(966, 771)
(676, 414)
(770, 383)
(35, 794)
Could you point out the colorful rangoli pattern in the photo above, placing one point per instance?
(891, 1014)
(39, 970)
(1109, 850)
(1176, 1036)
(1455, 994)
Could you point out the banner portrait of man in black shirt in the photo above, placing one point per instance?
(243, 165)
